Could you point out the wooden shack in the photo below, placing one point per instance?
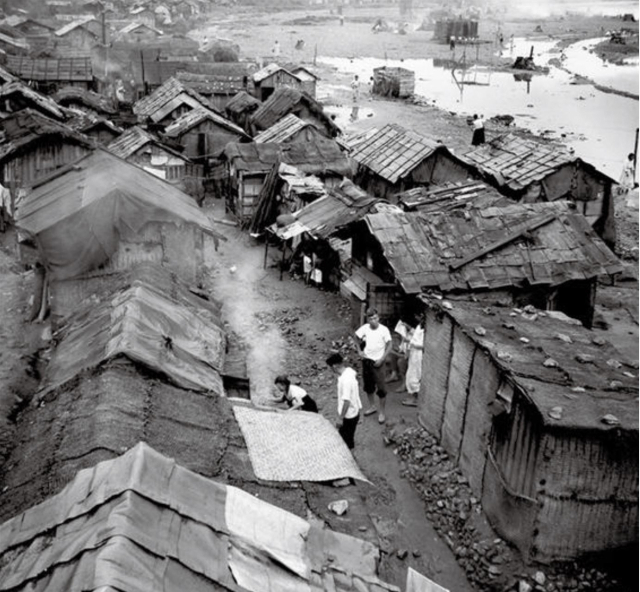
(137, 33)
(35, 146)
(541, 416)
(219, 84)
(48, 75)
(460, 29)
(240, 108)
(397, 83)
(545, 255)
(120, 215)
(204, 134)
(287, 100)
(271, 77)
(531, 171)
(76, 35)
(139, 147)
(308, 79)
(289, 129)
(393, 160)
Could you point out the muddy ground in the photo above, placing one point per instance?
(290, 327)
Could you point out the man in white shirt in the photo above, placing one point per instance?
(349, 404)
(375, 342)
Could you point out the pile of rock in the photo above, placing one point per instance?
(490, 563)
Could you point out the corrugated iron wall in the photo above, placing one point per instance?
(588, 494)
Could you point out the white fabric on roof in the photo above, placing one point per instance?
(295, 446)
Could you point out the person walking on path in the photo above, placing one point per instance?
(294, 396)
(349, 403)
(375, 345)
(414, 368)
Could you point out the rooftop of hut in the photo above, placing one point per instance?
(575, 378)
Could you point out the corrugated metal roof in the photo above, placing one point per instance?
(270, 70)
(450, 196)
(283, 130)
(283, 101)
(150, 105)
(94, 196)
(518, 162)
(323, 217)
(143, 522)
(393, 152)
(491, 248)
(550, 387)
(51, 69)
(196, 117)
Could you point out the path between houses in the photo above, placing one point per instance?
(290, 328)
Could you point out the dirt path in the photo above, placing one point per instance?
(290, 328)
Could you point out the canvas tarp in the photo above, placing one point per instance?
(142, 522)
(77, 216)
(185, 342)
(295, 446)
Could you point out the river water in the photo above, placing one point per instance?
(599, 126)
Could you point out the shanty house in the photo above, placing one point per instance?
(120, 215)
(203, 134)
(219, 85)
(139, 147)
(530, 171)
(318, 229)
(546, 255)
(49, 75)
(35, 146)
(87, 101)
(13, 45)
(240, 108)
(143, 521)
(272, 77)
(249, 164)
(30, 27)
(77, 35)
(101, 130)
(15, 96)
(144, 15)
(308, 80)
(137, 33)
(395, 159)
(169, 102)
(289, 129)
(287, 100)
(451, 196)
(541, 415)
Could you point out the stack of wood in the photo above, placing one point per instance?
(393, 82)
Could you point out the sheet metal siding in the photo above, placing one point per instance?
(455, 404)
(40, 161)
(481, 391)
(517, 455)
(512, 516)
(436, 361)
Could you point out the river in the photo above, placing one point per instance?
(600, 126)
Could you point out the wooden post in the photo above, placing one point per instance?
(635, 155)
(284, 251)
(266, 250)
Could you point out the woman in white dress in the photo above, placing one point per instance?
(414, 366)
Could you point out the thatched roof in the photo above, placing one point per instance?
(587, 381)
(285, 100)
(491, 248)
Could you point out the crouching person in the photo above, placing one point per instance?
(349, 403)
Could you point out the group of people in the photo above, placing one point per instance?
(375, 346)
